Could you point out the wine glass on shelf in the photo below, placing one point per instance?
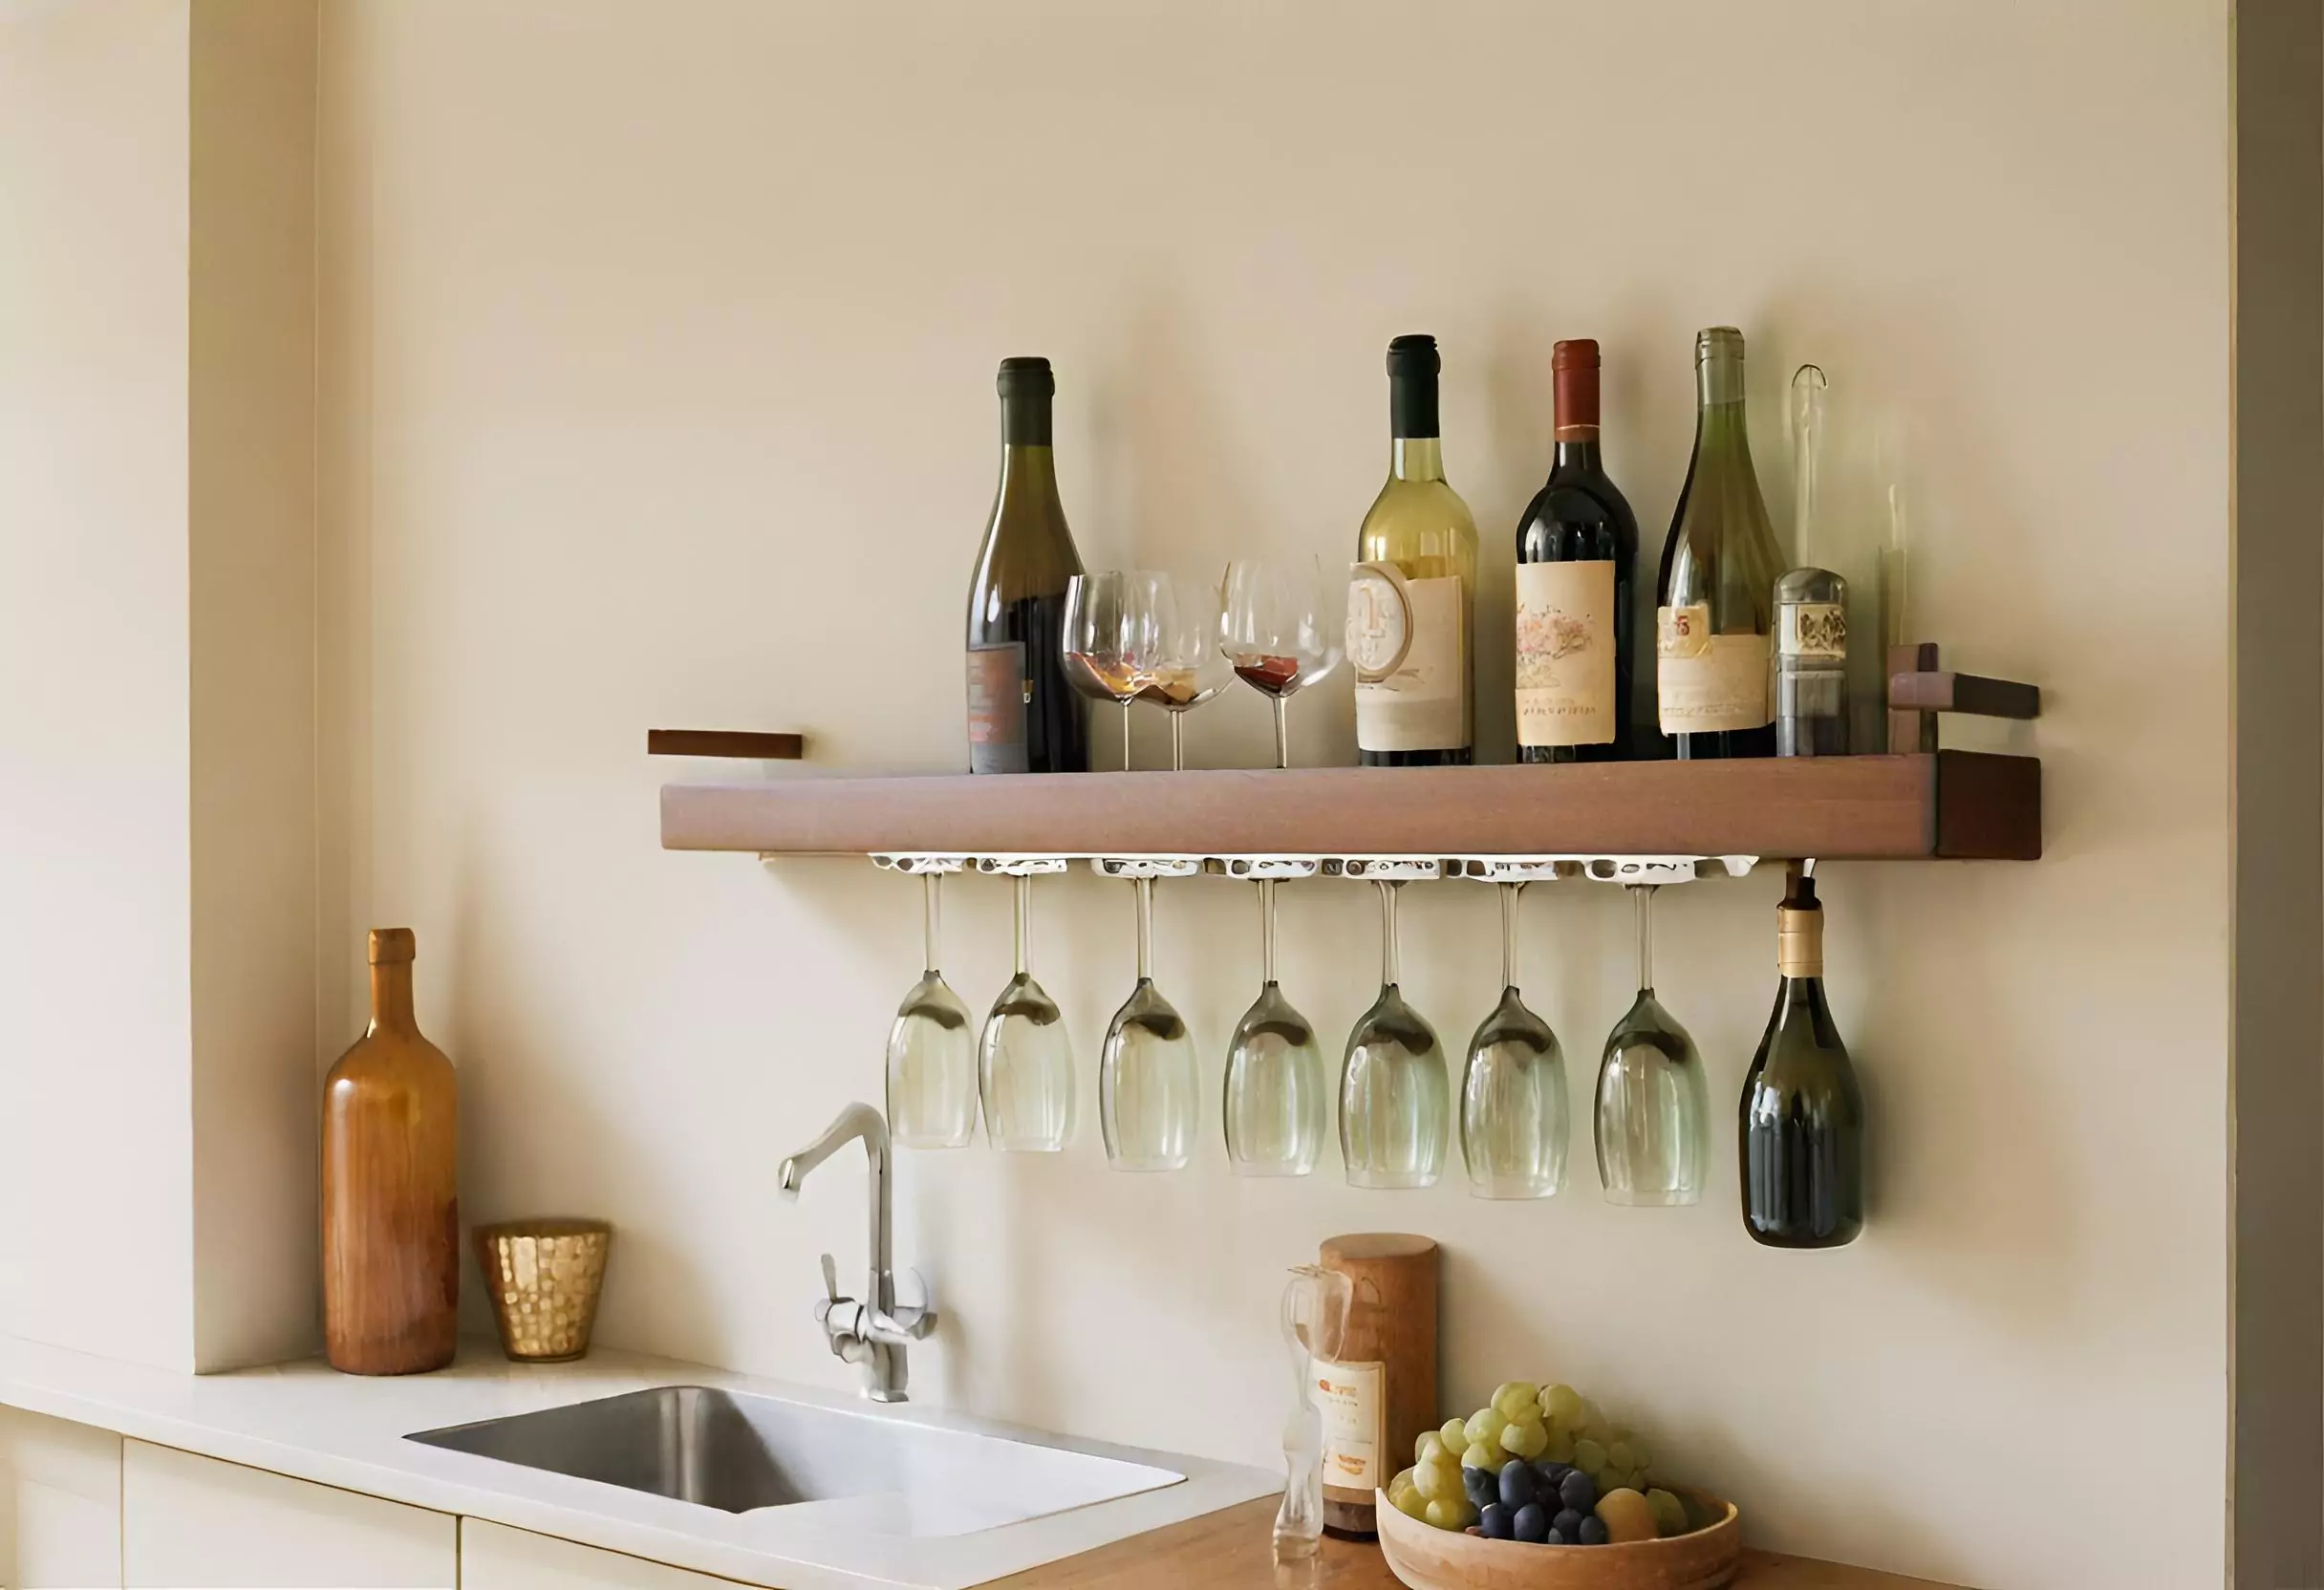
(1394, 1096)
(1277, 1102)
(1188, 669)
(1025, 1060)
(1653, 1121)
(932, 1046)
(1106, 638)
(1513, 1105)
(1281, 629)
(1146, 1079)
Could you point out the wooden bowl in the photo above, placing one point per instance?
(1430, 1558)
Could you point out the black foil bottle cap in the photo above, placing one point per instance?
(1028, 375)
(1412, 365)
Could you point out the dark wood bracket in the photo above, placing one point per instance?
(1918, 690)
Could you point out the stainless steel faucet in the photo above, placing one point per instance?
(873, 1332)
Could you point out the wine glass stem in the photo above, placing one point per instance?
(1178, 742)
(932, 928)
(1388, 932)
(1643, 894)
(1146, 928)
(1509, 934)
(1126, 737)
(1266, 929)
(1024, 906)
(1282, 731)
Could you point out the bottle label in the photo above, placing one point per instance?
(1817, 631)
(1565, 653)
(1707, 683)
(998, 695)
(1404, 639)
(1353, 1399)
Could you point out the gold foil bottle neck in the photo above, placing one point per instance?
(1800, 941)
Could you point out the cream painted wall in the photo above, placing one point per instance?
(94, 1092)
(657, 359)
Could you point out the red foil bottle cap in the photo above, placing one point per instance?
(1575, 375)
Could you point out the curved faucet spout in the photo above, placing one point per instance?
(858, 1121)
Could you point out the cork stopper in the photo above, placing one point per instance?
(1799, 930)
(390, 945)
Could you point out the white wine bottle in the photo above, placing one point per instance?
(1713, 615)
(1411, 603)
(1022, 715)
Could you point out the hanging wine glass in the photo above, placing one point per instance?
(1106, 638)
(1513, 1104)
(932, 1048)
(1024, 1061)
(1188, 669)
(1277, 1101)
(1394, 1096)
(1653, 1122)
(1146, 1081)
(1282, 628)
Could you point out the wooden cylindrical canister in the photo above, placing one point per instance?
(1379, 1393)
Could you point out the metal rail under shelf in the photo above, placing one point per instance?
(1623, 869)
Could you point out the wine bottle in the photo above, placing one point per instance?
(1412, 601)
(1577, 546)
(1022, 715)
(1811, 603)
(1802, 1119)
(1713, 600)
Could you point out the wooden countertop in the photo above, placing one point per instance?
(1232, 1550)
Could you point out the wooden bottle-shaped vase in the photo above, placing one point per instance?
(391, 1206)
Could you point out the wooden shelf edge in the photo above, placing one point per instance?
(1945, 805)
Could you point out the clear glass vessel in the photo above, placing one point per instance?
(1277, 1097)
(1653, 1105)
(1147, 1079)
(1025, 1060)
(931, 1050)
(1513, 1114)
(1188, 670)
(1280, 629)
(1315, 1304)
(1107, 638)
(1395, 1097)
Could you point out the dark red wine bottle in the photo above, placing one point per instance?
(1023, 716)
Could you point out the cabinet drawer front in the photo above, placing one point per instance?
(493, 1557)
(193, 1521)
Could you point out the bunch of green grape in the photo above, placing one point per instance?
(1523, 1423)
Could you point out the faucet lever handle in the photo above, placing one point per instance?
(915, 1321)
(831, 1281)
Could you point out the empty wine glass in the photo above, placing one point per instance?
(1315, 1304)
(1188, 669)
(1146, 1080)
(1024, 1061)
(931, 1049)
(1394, 1096)
(1653, 1105)
(1282, 630)
(1106, 638)
(1275, 1105)
(1513, 1105)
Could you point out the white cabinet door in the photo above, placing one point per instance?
(190, 1521)
(493, 1557)
(61, 1503)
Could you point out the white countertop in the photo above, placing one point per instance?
(305, 1420)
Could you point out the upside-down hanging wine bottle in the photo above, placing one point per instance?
(1802, 1118)
(1022, 715)
(1714, 599)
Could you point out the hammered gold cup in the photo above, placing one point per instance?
(544, 1278)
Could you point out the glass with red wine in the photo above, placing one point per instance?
(1281, 627)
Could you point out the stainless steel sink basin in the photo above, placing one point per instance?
(739, 1452)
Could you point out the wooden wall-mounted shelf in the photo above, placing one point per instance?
(1943, 805)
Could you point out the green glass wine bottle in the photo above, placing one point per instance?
(1802, 1118)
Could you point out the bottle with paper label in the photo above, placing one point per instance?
(1713, 617)
(1576, 545)
(1412, 600)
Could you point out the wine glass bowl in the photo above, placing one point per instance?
(1395, 1095)
(1275, 1105)
(1148, 1072)
(1280, 629)
(1025, 1057)
(1188, 669)
(931, 1051)
(1109, 638)
(1514, 1119)
(1654, 1114)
